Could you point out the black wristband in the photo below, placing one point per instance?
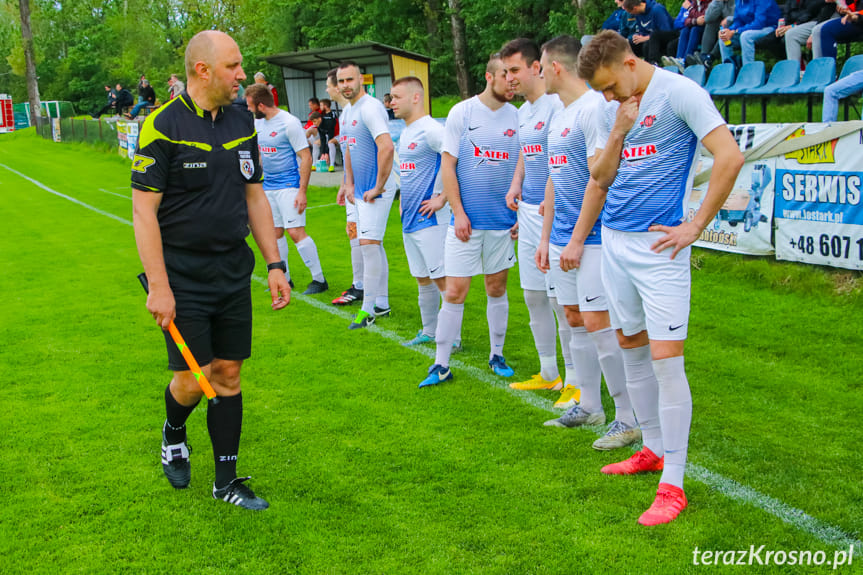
(279, 265)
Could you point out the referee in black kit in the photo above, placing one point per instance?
(196, 186)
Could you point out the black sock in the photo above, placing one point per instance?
(175, 422)
(225, 421)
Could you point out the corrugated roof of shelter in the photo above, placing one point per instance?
(363, 53)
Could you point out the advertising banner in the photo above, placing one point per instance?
(819, 219)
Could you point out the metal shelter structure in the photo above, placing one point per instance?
(305, 72)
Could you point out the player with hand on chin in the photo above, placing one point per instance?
(641, 185)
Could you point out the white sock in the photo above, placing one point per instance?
(588, 375)
(448, 327)
(675, 415)
(611, 361)
(309, 252)
(497, 313)
(429, 302)
(542, 327)
(644, 394)
(371, 275)
(357, 263)
(282, 244)
(443, 299)
(383, 292)
(565, 333)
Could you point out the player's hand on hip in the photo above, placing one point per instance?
(280, 289)
(300, 202)
(627, 114)
(541, 210)
(340, 197)
(676, 237)
(570, 256)
(371, 195)
(161, 305)
(513, 197)
(513, 232)
(462, 227)
(349, 194)
(431, 205)
(541, 257)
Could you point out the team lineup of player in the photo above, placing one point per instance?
(592, 175)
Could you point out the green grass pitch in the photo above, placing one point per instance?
(365, 473)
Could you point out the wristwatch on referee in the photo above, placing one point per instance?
(279, 265)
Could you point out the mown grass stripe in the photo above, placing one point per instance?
(799, 519)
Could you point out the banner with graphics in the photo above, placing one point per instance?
(127, 138)
(744, 223)
(819, 219)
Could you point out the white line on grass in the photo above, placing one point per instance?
(114, 194)
(322, 206)
(733, 490)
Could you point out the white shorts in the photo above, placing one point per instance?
(583, 286)
(529, 234)
(425, 251)
(372, 217)
(351, 210)
(285, 215)
(645, 290)
(486, 252)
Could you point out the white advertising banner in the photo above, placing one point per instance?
(819, 219)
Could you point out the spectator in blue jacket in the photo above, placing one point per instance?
(753, 19)
(620, 21)
(653, 31)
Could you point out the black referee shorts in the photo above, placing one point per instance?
(214, 304)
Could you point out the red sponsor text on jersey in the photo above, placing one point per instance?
(532, 149)
(560, 160)
(638, 152)
(490, 154)
(268, 149)
(407, 166)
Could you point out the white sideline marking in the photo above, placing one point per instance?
(733, 490)
(323, 206)
(114, 194)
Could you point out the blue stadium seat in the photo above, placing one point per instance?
(819, 72)
(722, 76)
(751, 75)
(672, 69)
(696, 73)
(785, 73)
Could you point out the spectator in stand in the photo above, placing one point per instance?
(260, 78)
(314, 106)
(328, 130)
(753, 19)
(313, 135)
(175, 86)
(814, 41)
(111, 103)
(124, 98)
(693, 28)
(618, 20)
(801, 17)
(847, 86)
(849, 28)
(653, 29)
(146, 97)
(719, 14)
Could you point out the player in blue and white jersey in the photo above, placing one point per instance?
(282, 141)
(641, 185)
(355, 292)
(576, 136)
(368, 166)
(424, 212)
(521, 59)
(480, 153)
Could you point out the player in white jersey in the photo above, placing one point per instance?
(355, 292)
(282, 141)
(641, 185)
(368, 165)
(576, 136)
(526, 193)
(424, 220)
(480, 153)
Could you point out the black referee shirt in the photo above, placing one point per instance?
(201, 167)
